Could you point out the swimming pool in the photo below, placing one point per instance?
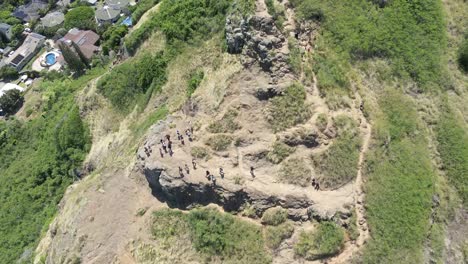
(50, 59)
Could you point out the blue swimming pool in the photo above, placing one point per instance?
(50, 59)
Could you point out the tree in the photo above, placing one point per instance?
(8, 72)
(11, 101)
(81, 17)
(463, 56)
(73, 60)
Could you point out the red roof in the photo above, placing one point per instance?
(84, 39)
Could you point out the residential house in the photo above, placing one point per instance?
(31, 45)
(121, 4)
(53, 19)
(85, 40)
(107, 14)
(31, 11)
(5, 31)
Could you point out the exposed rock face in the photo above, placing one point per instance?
(258, 40)
(178, 192)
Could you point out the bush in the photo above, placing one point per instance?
(227, 124)
(322, 121)
(81, 17)
(219, 142)
(274, 235)
(8, 73)
(112, 38)
(326, 241)
(199, 153)
(274, 216)
(463, 55)
(295, 56)
(279, 152)
(194, 81)
(141, 8)
(295, 171)
(289, 109)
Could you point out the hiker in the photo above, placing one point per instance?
(181, 172)
(182, 140)
(164, 146)
(313, 183)
(252, 171)
(194, 164)
(161, 141)
(221, 173)
(208, 175)
(168, 137)
(213, 180)
(361, 107)
(178, 134)
(161, 153)
(187, 168)
(317, 186)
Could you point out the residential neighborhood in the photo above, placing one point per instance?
(34, 35)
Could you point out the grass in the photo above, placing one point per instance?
(227, 124)
(325, 241)
(322, 121)
(194, 81)
(338, 164)
(213, 234)
(400, 183)
(289, 109)
(275, 235)
(219, 142)
(274, 216)
(200, 153)
(295, 56)
(279, 152)
(277, 12)
(295, 171)
(453, 148)
(151, 119)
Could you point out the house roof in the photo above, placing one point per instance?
(53, 19)
(4, 27)
(10, 86)
(30, 11)
(107, 13)
(117, 3)
(30, 45)
(84, 39)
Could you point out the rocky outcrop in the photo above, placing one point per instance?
(258, 40)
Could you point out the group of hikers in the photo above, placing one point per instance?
(166, 147)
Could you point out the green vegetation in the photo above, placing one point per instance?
(194, 81)
(199, 152)
(160, 113)
(141, 8)
(411, 34)
(325, 241)
(73, 60)
(277, 12)
(289, 109)
(81, 17)
(219, 142)
(463, 55)
(322, 121)
(39, 159)
(295, 171)
(274, 216)
(182, 21)
(11, 101)
(134, 81)
(112, 38)
(400, 184)
(453, 148)
(8, 73)
(274, 235)
(338, 164)
(227, 124)
(213, 234)
(279, 152)
(295, 56)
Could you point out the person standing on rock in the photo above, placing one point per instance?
(221, 173)
(317, 186)
(213, 180)
(178, 134)
(187, 168)
(194, 164)
(208, 175)
(168, 137)
(252, 171)
(313, 183)
(182, 140)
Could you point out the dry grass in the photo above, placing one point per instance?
(295, 171)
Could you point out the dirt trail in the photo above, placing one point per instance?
(145, 17)
(361, 222)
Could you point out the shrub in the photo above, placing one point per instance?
(295, 56)
(219, 142)
(463, 55)
(295, 171)
(274, 235)
(8, 72)
(168, 225)
(279, 152)
(322, 121)
(274, 216)
(327, 240)
(194, 81)
(81, 17)
(199, 152)
(227, 124)
(141, 8)
(288, 109)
